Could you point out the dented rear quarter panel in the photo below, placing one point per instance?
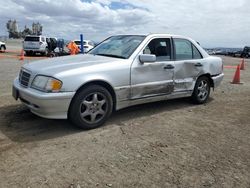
(214, 65)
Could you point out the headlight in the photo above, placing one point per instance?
(46, 83)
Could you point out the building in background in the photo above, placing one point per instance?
(12, 27)
(37, 28)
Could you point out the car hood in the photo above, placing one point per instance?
(53, 66)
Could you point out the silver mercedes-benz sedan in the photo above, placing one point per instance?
(121, 71)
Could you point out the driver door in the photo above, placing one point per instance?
(154, 78)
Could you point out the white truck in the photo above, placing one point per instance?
(35, 44)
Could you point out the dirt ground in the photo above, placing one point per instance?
(165, 144)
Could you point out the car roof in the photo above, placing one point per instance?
(164, 35)
(154, 35)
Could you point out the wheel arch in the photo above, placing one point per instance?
(209, 77)
(102, 83)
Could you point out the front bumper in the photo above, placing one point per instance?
(217, 79)
(47, 105)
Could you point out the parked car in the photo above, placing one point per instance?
(35, 44)
(121, 71)
(237, 53)
(87, 45)
(246, 52)
(2, 46)
(221, 52)
(210, 52)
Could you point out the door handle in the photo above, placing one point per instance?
(169, 67)
(198, 65)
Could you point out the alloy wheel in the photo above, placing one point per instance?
(203, 89)
(93, 108)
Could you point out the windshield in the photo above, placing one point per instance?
(118, 46)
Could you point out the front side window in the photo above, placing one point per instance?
(185, 50)
(118, 46)
(160, 47)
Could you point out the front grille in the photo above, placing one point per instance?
(24, 78)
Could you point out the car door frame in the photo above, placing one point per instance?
(137, 89)
(186, 71)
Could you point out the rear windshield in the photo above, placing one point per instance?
(79, 42)
(36, 39)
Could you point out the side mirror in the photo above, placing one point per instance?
(147, 58)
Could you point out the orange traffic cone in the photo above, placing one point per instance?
(21, 55)
(236, 79)
(242, 64)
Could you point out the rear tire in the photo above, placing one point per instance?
(46, 52)
(201, 90)
(27, 53)
(91, 107)
(2, 49)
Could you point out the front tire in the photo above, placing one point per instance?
(91, 107)
(201, 90)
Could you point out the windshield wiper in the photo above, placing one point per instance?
(112, 55)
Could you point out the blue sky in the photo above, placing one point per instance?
(121, 5)
(115, 5)
(212, 23)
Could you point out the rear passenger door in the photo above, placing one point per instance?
(188, 64)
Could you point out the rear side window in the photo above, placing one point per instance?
(77, 42)
(196, 53)
(185, 50)
(33, 39)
